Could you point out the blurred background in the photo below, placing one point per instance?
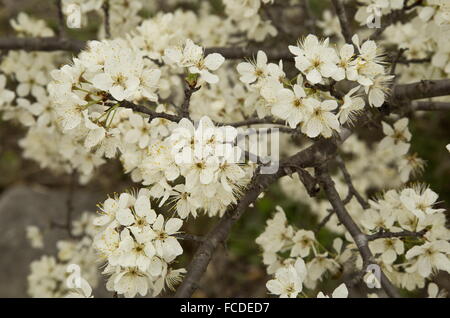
(31, 196)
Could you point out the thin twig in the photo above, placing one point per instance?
(324, 221)
(189, 237)
(351, 188)
(69, 208)
(397, 60)
(384, 234)
(145, 110)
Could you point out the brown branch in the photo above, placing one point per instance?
(61, 21)
(73, 45)
(343, 20)
(351, 188)
(344, 217)
(324, 221)
(396, 61)
(393, 17)
(143, 109)
(309, 17)
(69, 208)
(236, 53)
(42, 44)
(107, 21)
(256, 121)
(314, 156)
(190, 89)
(429, 106)
(413, 5)
(384, 234)
(414, 61)
(189, 237)
(421, 90)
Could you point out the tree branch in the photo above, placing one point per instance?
(107, 22)
(383, 234)
(256, 121)
(343, 20)
(236, 53)
(143, 109)
(351, 188)
(61, 21)
(191, 89)
(421, 90)
(443, 106)
(42, 44)
(344, 217)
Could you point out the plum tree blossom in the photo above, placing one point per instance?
(187, 99)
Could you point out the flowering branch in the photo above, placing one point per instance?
(344, 217)
(311, 88)
(145, 110)
(310, 157)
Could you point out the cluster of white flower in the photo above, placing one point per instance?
(436, 10)
(208, 161)
(411, 209)
(85, 112)
(408, 261)
(424, 38)
(50, 276)
(138, 245)
(191, 56)
(317, 61)
(397, 141)
(29, 26)
(246, 15)
(107, 71)
(389, 158)
(80, 120)
(371, 10)
(166, 30)
(302, 103)
(285, 251)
